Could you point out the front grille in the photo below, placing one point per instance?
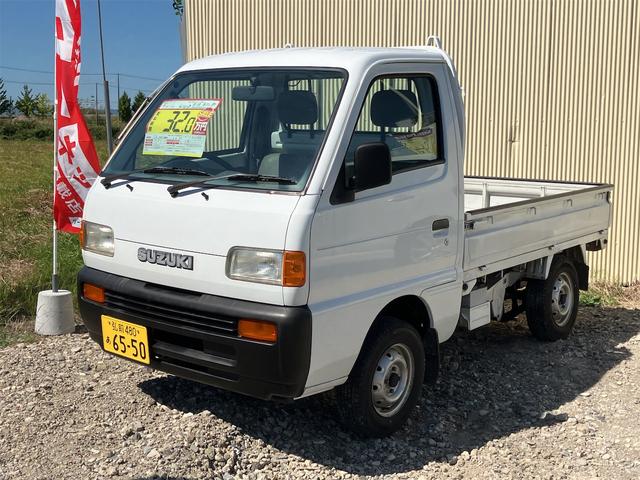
(178, 316)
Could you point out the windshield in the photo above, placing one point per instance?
(247, 128)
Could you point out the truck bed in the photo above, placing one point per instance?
(513, 221)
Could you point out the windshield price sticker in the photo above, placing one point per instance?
(179, 127)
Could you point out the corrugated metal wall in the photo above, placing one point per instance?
(552, 86)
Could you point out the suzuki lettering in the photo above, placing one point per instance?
(173, 260)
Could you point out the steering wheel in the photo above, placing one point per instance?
(222, 162)
(182, 162)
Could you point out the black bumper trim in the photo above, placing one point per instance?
(186, 338)
(193, 356)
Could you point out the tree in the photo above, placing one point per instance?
(43, 107)
(178, 6)
(124, 107)
(138, 100)
(6, 104)
(26, 102)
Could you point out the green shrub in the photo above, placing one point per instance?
(42, 129)
(43, 133)
(8, 130)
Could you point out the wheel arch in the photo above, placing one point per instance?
(415, 311)
(411, 309)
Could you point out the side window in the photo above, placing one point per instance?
(404, 113)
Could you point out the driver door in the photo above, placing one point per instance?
(396, 239)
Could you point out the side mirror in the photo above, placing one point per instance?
(372, 166)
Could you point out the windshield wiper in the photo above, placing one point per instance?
(246, 177)
(174, 189)
(106, 181)
(254, 177)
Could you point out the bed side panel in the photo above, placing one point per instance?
(506, 231)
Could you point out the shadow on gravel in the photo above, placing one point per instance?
(494, 381)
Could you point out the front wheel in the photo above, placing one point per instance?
(552, 304)
(386, 381)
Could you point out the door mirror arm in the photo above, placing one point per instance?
(351, 183)
(342, 190)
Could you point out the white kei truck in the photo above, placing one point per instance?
(286, 222)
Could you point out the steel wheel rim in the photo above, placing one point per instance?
(392, 380)
(562, 298)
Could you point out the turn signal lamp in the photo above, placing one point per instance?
(81, 235)
(293, 269)
(93, 293)
(257, 330)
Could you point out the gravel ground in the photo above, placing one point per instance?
(506, 406)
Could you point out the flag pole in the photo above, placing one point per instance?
(107, 103)
(54, 310)
(54, 270)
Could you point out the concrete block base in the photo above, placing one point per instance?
(54, 314)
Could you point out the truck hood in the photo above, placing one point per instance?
(190, 224)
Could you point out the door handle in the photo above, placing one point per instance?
(440, 224)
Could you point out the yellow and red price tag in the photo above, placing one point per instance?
(179, 127)
(173, 121)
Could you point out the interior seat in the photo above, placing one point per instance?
(393, 108)
(295, 107)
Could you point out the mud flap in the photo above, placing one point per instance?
(432, 354)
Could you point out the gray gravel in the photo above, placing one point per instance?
(506, 406)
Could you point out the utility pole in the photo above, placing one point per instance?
(107, 103)
(119, 96)
(96, 104)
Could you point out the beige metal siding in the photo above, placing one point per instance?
(552, 86)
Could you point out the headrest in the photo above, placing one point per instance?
(394, 108)
(299, 107)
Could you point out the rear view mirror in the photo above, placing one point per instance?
(372, 166)
(253, 94)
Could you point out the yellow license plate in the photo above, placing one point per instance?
(125, 339)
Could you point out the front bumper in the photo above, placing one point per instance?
(194, 335)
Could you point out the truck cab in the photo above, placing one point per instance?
(282, 223)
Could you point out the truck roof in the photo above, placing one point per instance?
(352, 59)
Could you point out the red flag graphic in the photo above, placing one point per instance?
(77, 159)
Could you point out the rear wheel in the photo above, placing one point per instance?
(386, 381)
(552, 304)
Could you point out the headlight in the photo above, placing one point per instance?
(275, 267)
(97, 238)
(263, 266)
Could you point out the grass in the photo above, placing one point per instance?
(25, 235)
(603, 294)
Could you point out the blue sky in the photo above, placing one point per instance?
(141, 39)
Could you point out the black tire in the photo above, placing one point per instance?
(549, 315)
(390, 341)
